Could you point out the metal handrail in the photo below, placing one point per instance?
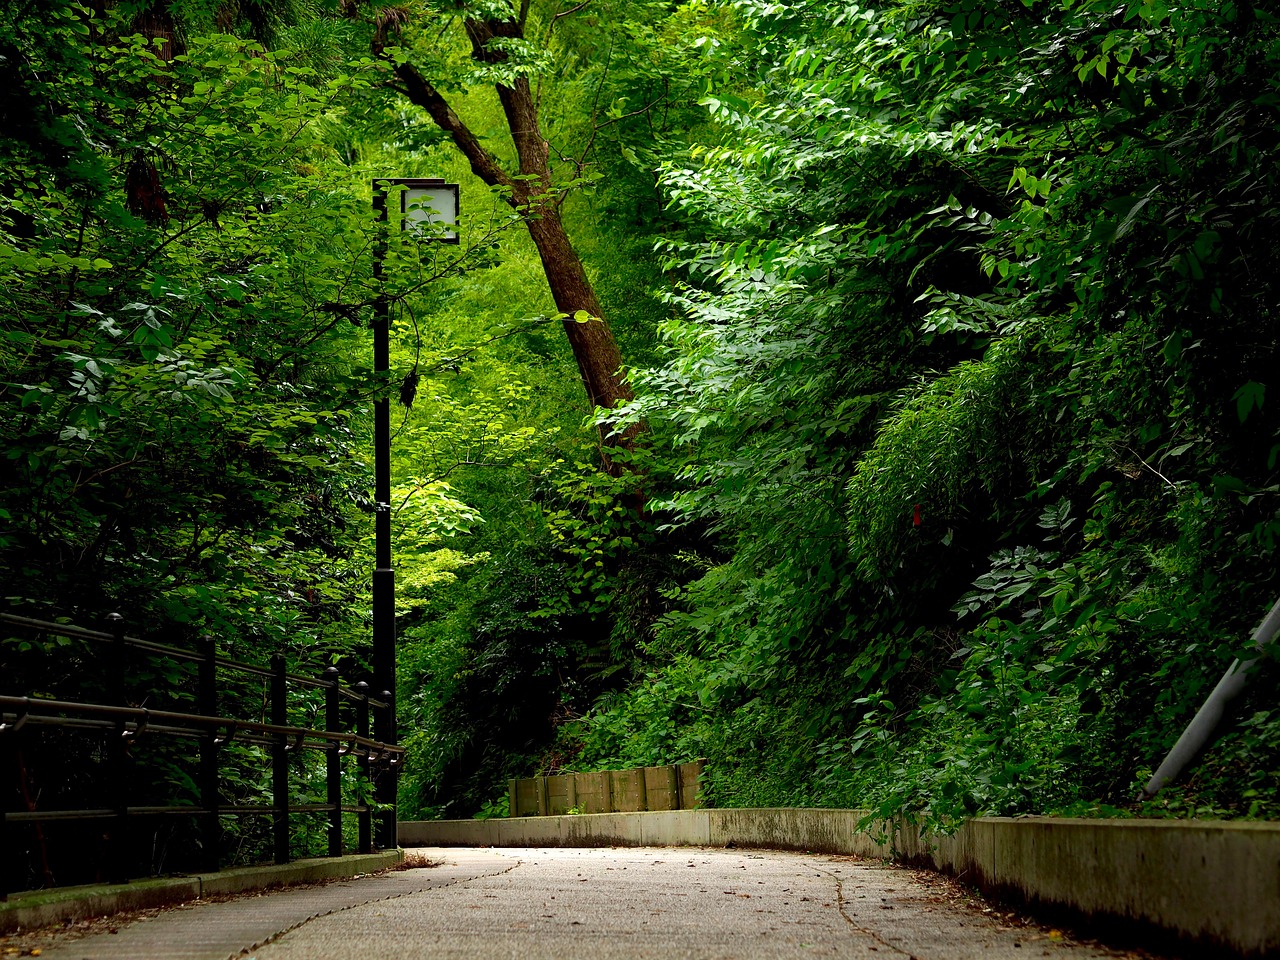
(143, 717)
(121, 725)
(177, 653)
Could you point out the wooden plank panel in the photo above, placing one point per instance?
(690, 792)
(660, 788)
(594, 795)
(560, 794)
(607, 791)
(628, 790)
(526, 792)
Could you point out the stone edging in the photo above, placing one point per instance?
(40, 908)
(1215, 884)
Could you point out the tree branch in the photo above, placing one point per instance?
(421, 93)
(574, 9)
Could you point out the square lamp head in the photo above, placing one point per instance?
(426, 205)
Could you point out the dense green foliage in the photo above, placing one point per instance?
(166, 431)
(968, 375)
(186, 233)
(182, 382)
(950, 326)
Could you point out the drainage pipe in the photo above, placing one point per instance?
(1200, 729)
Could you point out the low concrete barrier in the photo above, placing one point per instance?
(38, 908)
(1211, 883)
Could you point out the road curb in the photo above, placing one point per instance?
(39, 908)
(1208, 884)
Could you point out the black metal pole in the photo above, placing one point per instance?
(118, 760)
(210, 824)
(8, 842)
(384, 581)
(365, 817)
(333, 761)
(388, 777)
(384, 595)
(280, 758)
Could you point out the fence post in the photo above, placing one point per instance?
(210, 826)
(8, 848)
(333, 760)
(117, 758)
(280, 758)
(365, 817)
(389, 777)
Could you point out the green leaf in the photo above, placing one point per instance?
(1248, 398)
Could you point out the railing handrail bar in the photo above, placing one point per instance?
(117, 724)
(96, 813)
(151, 646)
(142, 717)
(257, 739)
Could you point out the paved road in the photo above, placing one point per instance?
(599, 903)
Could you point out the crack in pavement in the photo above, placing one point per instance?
(457, 881)
(840, 904)
(231, 929)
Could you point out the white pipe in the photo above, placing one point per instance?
(1200, 729)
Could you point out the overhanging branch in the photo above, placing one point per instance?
(421, 93)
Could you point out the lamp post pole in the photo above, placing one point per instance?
(422, 203)
(384, 577)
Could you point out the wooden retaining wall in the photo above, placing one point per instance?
(673, 787)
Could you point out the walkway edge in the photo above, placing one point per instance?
(39, 908)
(1214, 884)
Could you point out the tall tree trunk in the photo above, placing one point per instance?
(594, 347)
(532, 193)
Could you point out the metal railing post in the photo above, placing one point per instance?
(388, 779)
(207, 700)
(8, 848)
(117, 759)
(333, 760)
(280, 758)
(363, 787)
(114, 726)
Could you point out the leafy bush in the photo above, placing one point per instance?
(969, 376)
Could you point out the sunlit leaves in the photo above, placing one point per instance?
(173, 383)
(1059, 196)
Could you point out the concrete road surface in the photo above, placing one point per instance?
(601, 903)
(625, 903)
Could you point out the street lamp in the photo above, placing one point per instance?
(428, 208)
(429, 211)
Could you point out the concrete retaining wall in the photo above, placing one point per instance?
(1208, 882)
